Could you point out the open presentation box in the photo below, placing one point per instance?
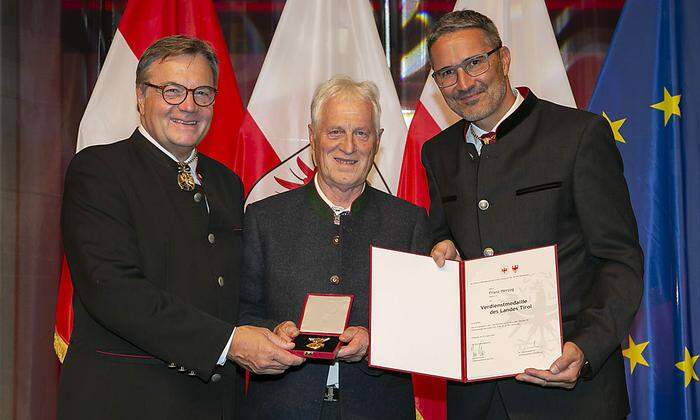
(323, 319)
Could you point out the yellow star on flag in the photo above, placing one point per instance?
(616, 125)
(687, 367)
(670, 106)
(635, 353)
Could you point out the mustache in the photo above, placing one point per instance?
(477, 88)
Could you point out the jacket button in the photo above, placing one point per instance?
(191, 373)
(483, 205)
(216, 377)
(220, 280)
(197, 197)
(336, 240)
(335, 279)
(181, 369)
(211, 238)
(172, 365)
(488, 252)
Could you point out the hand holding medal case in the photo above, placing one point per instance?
(323, 319)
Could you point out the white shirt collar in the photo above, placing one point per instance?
(193, 164)
(336, 209)
(518, 100)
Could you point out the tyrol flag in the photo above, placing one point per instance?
(338, 37)
(648, 91)
(111, 113)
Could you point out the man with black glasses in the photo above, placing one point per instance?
(152, 234)
(519, 172)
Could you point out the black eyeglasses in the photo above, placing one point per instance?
(473, 66)
(175, 94)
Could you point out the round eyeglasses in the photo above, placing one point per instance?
(473, 66)
(175, 94)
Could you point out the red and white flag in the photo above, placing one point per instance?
(536, 62)
(111, 113)
(315, 40)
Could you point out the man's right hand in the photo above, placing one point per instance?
(262, 352)
(444, 250)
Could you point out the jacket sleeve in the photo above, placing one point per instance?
(437, 221)
(253, 294)
(609, 228)
(421, 242)
(104, 256)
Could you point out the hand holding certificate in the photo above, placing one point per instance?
(477, 320)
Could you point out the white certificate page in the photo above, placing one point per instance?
(512, 313)
(415, 315)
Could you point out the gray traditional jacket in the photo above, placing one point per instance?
(293, 247)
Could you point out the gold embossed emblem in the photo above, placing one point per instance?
(317, 342)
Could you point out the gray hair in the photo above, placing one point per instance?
(345, 87)
(173, 46)
(464, 19)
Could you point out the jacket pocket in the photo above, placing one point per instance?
(536, 188)
(128, 358)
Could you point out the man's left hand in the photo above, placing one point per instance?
(357, 339)
(563, 373)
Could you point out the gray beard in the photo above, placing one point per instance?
(501, 93)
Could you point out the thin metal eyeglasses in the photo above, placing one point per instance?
(175, 94)
(473, 66)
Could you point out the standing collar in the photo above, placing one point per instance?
(336, 209)
(516, 114)
(324, 208)
(518, 100)
(193, 164)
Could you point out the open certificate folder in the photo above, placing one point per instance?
(468, 321)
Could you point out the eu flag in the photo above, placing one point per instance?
(649, 91)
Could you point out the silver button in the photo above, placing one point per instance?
(172, 365)
(216, 377)
(191, 373)
(221, 281)
(336, 240)
(181, 369)
(335, 279)
(483, 204)
(488, 252)
(211, 238)
(198, 197)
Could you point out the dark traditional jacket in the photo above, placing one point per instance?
(156, 286)
(293, 248)
(554, 176)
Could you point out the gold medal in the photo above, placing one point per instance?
(317, 342)
(185, 180)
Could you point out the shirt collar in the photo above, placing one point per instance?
(193, 164)
(336, 209)
(479, 132)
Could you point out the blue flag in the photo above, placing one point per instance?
(649, 91)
